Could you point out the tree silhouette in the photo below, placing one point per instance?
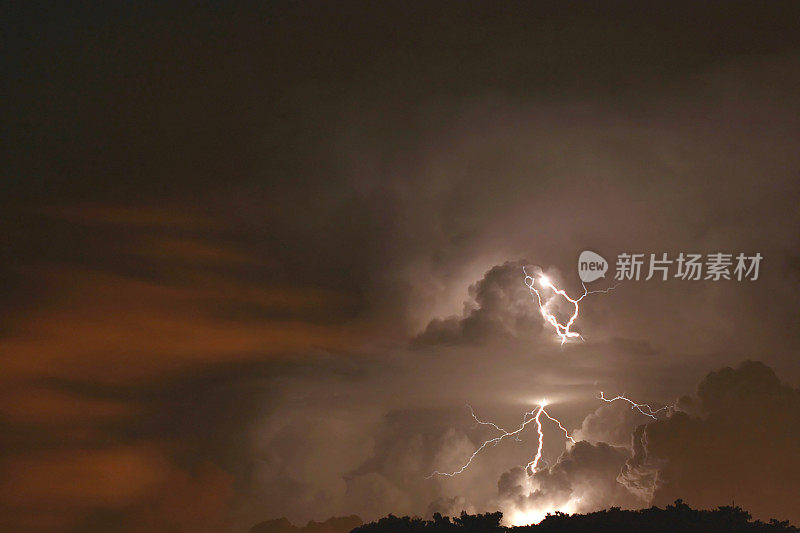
(676, 517)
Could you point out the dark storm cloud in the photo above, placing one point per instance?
(744, 449)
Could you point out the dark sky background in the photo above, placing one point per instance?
(257, 257)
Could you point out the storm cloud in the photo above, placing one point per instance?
(257, 259)
(744, 449)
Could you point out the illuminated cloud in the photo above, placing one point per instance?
(583, 479)
(499, 307)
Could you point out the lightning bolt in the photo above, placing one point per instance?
(531, 466)
(566, 433)
(564, 331)
(529, 417)
(638, 406)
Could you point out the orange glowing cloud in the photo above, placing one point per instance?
(112, 328)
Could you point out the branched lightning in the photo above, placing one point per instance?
(564, 331)
(535, 416)
(638, 406)
(566, 433)
(536, 285)
(481, 422)
(530, 416)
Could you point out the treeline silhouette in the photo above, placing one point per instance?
(677, 517)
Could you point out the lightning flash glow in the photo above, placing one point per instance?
(547, 295)
(563, 330)
(534, 514)
(534, 416)
(530, 416)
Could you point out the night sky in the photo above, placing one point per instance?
(256, 258)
